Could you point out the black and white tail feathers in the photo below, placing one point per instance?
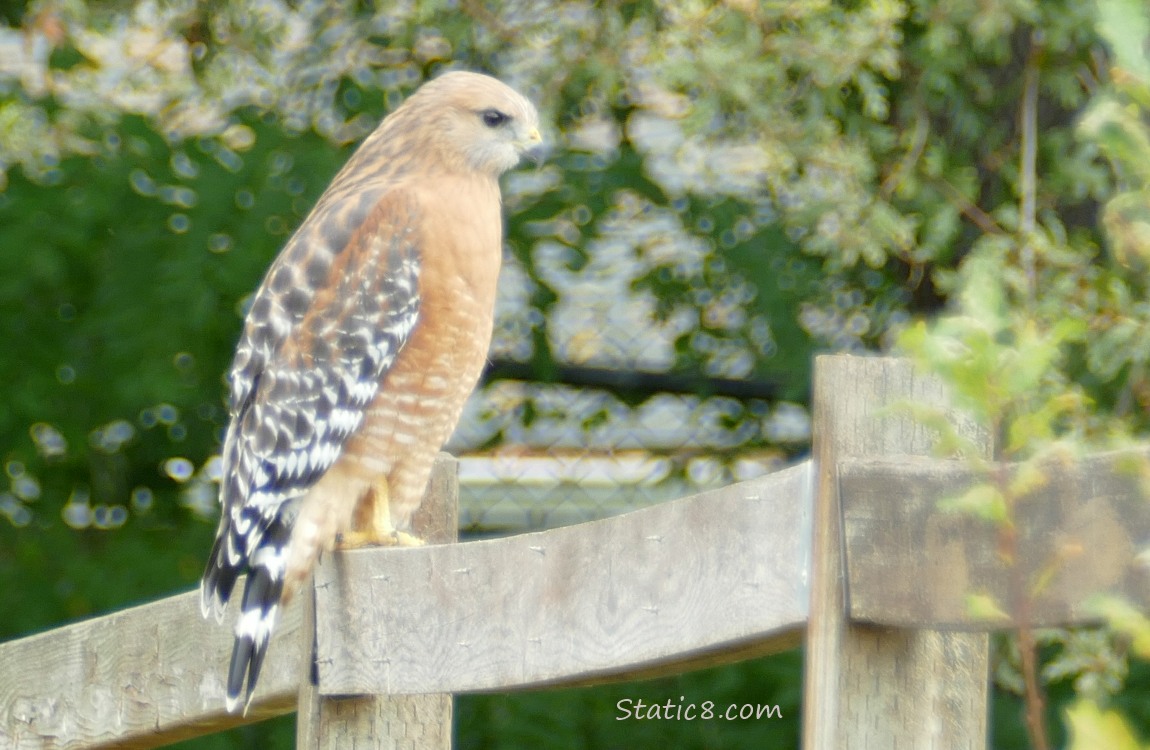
(266, 567)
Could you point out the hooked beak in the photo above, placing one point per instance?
(534, 149)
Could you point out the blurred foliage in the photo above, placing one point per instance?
(1046, 346)
(1091, 727)
(737, 184)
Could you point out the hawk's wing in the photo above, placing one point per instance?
(325, 326)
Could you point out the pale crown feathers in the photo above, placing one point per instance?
(469, 121)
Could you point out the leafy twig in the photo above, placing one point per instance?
(1020, 606)
(977, 216)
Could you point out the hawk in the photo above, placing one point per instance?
(361, 345)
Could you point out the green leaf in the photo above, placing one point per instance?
(1125, 618)
(985, 607)
(1126, 218)
(1125, 26)
(981, 501)
(1028, 477)
(1091, 728)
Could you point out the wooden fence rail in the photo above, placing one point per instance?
(828, 548)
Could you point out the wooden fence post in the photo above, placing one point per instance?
(402, 722)
(868, 687)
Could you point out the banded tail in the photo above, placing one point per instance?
(259, 605)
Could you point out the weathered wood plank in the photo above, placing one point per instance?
(909, 563)
(723, 572)
(388, 722)
(140, 678)
(869, 688)
(718, 572)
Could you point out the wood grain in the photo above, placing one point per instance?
(869, 688)
(707, 579)
(391, 722)
(140, 678)
(684, 582)
(910, 564)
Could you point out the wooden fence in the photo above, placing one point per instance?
(847, 551)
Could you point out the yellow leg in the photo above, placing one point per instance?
(372, 526)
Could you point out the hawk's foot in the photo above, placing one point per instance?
(361, 539)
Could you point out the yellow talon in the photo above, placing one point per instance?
(361, 539)
(372, 526)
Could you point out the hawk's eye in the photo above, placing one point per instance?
(493, 118)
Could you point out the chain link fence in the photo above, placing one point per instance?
(612, 426)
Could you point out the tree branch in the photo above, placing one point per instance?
(1028, 154)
